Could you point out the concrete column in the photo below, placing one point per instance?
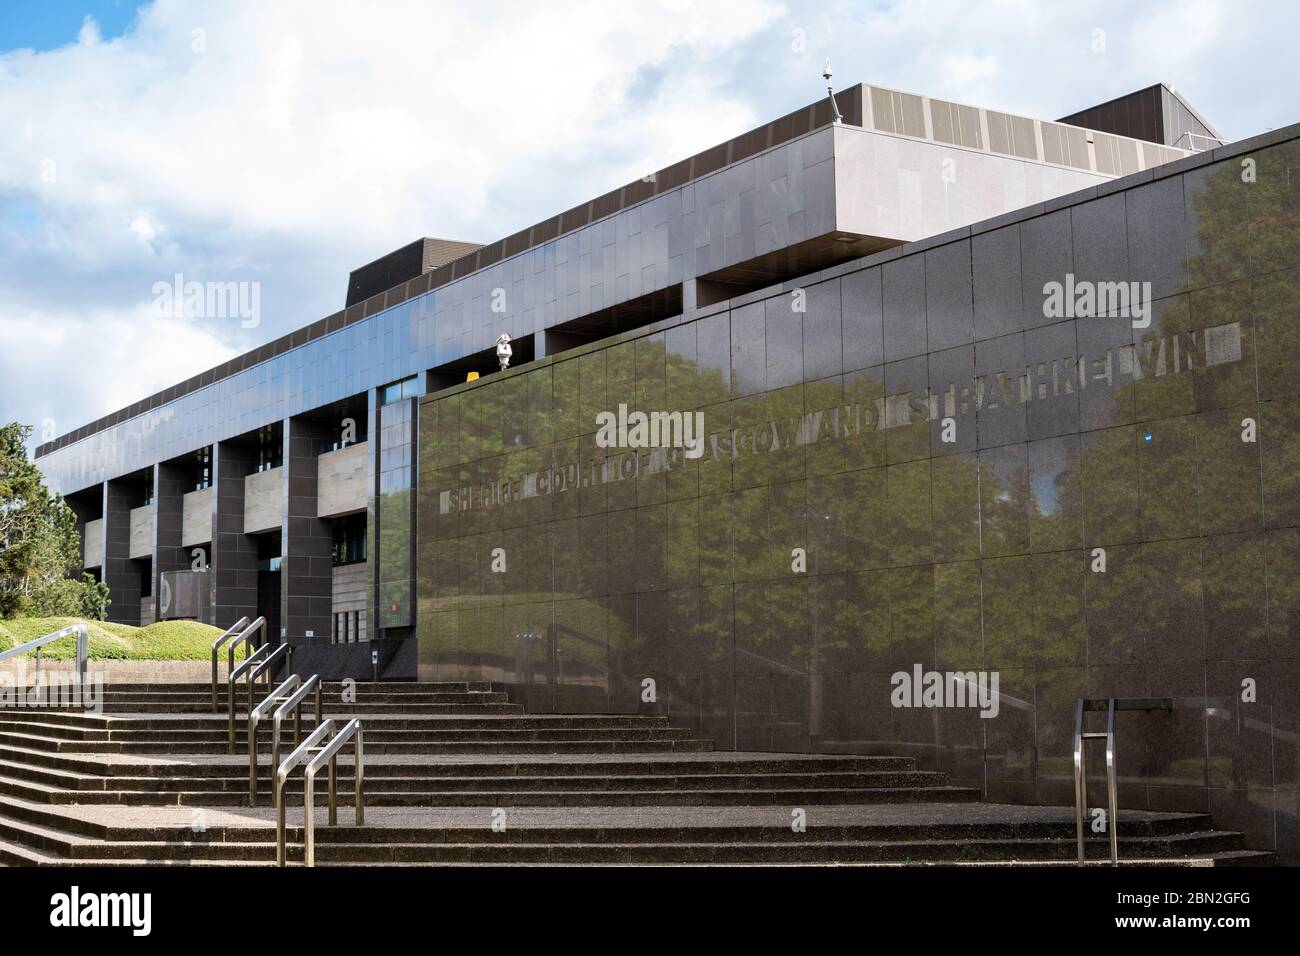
(233, 562)
(690, 296)
(120, 573)
(306, 543)
(168, 519)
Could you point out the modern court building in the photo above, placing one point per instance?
(968, 391)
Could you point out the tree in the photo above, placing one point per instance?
(40, 549)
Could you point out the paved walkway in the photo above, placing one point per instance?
(918, 815)
(451, 760)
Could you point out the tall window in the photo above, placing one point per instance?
(202, 468)
(270, 448)
(350, 539)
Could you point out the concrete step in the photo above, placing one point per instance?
(481, 765)
(329, 701)
(465, 707)
(15, 854)
(187, 766)
(121, 787)
(376, 733)
(360, 687)
(594, 745)
(605, 824)
(767, 852)
(15, 720)
(518, 794)
(526, 747)
(594, 780)
(665, 847)
(483, 704)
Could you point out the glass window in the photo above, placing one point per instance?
(270, 448)
(349, 539)
(406, 388)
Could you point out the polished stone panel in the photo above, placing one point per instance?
(1113, 513)
(170, 483)
(120, 572)
(233, 561)
(306, 544)
(196, 524)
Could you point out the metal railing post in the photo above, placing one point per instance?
(1112, 783)
(1080, 785)
(294, 704)
(322, 756)
(277, 696)
(1112, 705)
(246, 637)
(333, 797)
(226, 635)
(282, 778)
(359, 759)
(309, 815)
(83, 653)
(80, 631)
(232, 682)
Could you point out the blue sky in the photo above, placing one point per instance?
(288, 142)
(47, 24)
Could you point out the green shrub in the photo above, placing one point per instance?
(161, 641)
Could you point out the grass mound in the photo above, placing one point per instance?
(161, 641)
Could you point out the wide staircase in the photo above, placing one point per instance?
(455, 773)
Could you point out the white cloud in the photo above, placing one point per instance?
(144, 228)
(290, 142)
(100, 358)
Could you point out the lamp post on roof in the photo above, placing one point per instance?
(836, 117)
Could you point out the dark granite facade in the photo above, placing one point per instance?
(306, 541)
(233, 561)
(121, 574)
(170, 485)
(921, 467)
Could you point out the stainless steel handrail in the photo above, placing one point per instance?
(246, 637)
(316, 756)
(283, 702)
(267, 666)
(1111, 705)
(254, 718)
(294, 704)
(232, 679)
(83, 648)
(329, 756)
(216, 646)
(300, 753)
(1081, 782)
